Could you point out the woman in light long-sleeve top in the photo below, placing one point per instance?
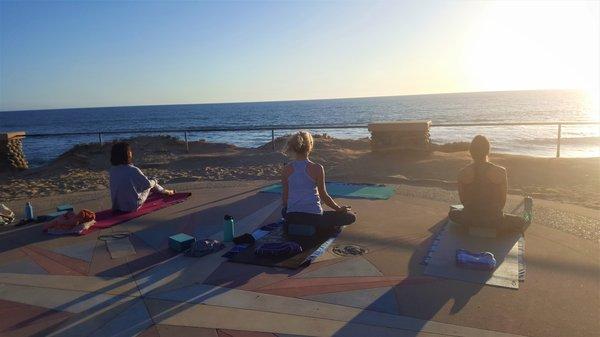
(129, 187)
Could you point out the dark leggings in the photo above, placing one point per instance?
(507, 222)
(327, 221)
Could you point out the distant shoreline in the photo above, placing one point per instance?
(294, 100)
(461, 108)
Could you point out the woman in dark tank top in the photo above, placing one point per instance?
(482, 189)
(481, 198)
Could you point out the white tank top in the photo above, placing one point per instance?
(303, 195)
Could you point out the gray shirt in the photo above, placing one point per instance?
(129, 187)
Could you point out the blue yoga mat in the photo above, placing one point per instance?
(346, 190)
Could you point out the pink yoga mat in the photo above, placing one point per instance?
(109, 218)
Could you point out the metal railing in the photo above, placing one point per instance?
(273, 128)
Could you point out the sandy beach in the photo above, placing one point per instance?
(84, 168)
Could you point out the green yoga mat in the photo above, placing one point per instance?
(345, 190)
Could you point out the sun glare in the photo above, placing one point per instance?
(530, 45)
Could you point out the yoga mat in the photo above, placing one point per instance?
(441, 260)
(347, 190)
(109, 218)
(312, 247)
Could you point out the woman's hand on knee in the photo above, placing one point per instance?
(345, 208)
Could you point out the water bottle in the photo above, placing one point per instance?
(28, 211)
(528, 208)
(228, 228)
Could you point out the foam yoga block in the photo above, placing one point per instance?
(65, 207)
(56, 214)
(181, 242)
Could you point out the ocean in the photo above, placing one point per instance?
(506, 106)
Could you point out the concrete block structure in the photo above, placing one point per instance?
(400, 136)
(12, 156)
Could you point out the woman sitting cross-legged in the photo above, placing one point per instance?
(482, 188)
(129, 187)
(304, 189)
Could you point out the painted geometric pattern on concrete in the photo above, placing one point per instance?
(71, 286)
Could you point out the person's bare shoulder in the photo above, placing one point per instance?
(316, 167)
(287, 170)
(466, 174)
(497, 174)
(315, 170)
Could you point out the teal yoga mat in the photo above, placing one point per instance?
(346, 190)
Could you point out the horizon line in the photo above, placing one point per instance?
(293, 100)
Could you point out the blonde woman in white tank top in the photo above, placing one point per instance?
(304, 190)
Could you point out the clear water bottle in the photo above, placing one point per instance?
(29, 211)
(228, 228)
(528, 209)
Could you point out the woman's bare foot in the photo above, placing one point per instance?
(168, 192)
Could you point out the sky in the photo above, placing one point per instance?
(84, 54)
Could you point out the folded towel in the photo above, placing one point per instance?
(77, 229)
(70, 220)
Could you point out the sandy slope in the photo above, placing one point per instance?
(85, 167)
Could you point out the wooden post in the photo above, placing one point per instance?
(558, 140)
(273, 139)
(187, 145)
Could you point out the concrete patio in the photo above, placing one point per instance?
(70, 286)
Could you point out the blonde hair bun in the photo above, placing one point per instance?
(301, 142)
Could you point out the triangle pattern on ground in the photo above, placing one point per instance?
(129, 322)
(376, 299)
(81, 250)
(355, 266)
(22, 266)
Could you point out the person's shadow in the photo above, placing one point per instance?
(420, 297)
(153, 275)
(433, 297)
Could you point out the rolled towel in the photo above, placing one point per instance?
(480, 261)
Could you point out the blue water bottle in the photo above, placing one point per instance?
(228, 228)
(28, 211)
